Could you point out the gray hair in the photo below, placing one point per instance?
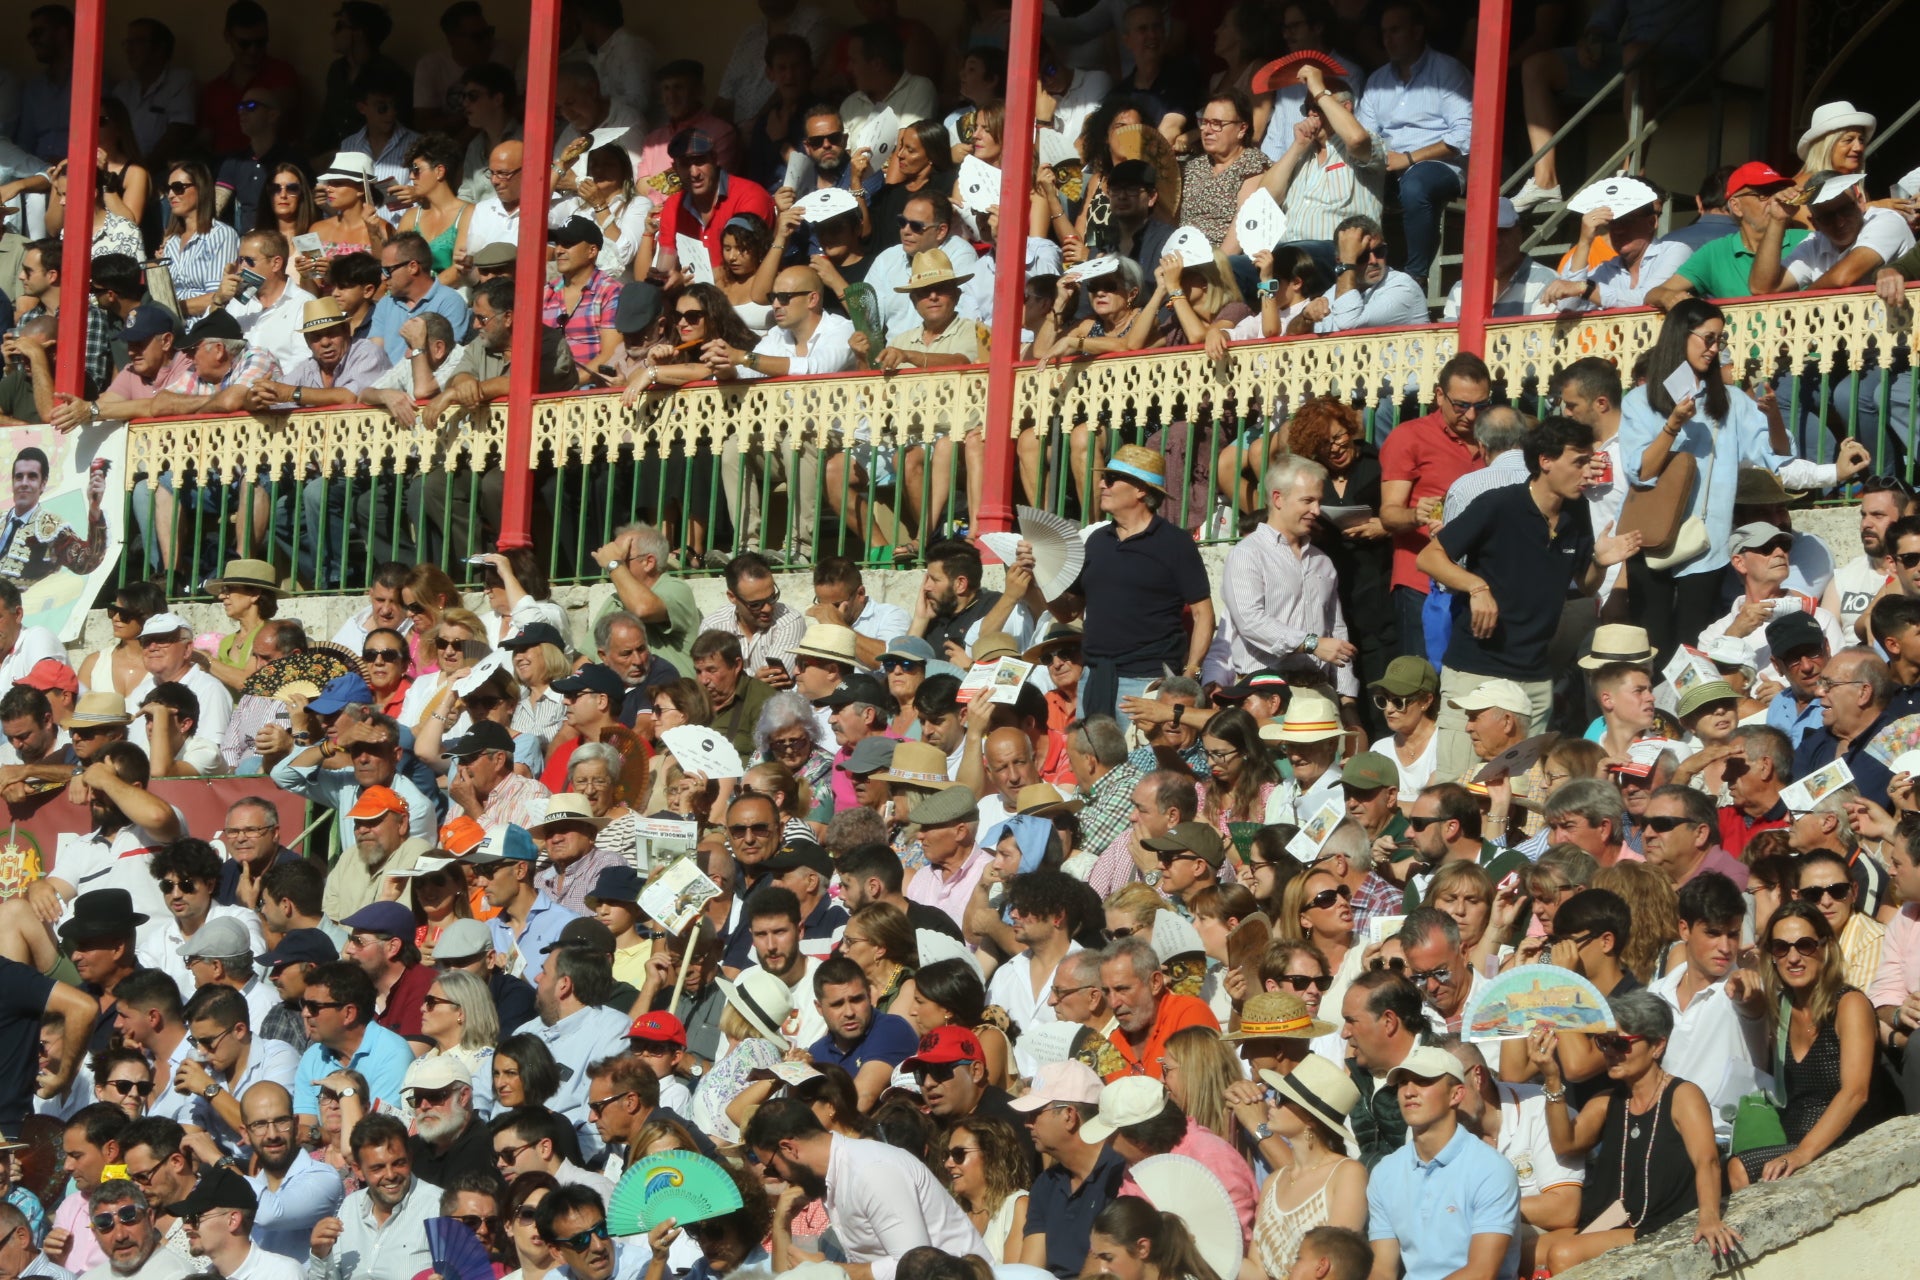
(1137, 952)
(1350, 838)
(116, 1191)
(603, 629)
(1288, 467)
(1642, 1013)
(1869, 670)
(587, 752)
(1836, 802)
(1765, 741)
(1499, 429)
(647, 541)
(1565, 862)
(475, 999)
(1082, 968)
(1423, 922)
(1102, 737)
(784, 710)
(1589, 798)
(1179, 687)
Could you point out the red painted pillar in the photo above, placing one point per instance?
(1010, 266)
(530, 274)
(1483, 176)
(76, 249)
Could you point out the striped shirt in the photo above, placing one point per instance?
(198, 263)
(1332, 186)
(593, 313)
(763, 648)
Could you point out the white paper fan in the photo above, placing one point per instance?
(701, 750)
(1191, 246)
(1058, 552)
(1261, 222)
(825, 203)
(978, 185)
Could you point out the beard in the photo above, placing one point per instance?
(371, 853)
(808, 1181)
(444, 1125)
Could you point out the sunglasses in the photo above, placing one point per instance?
(1615, 1041)
(475, 1221)
(690, 315)
(827, 140)
(912, 224)
(169, 884)
(383, 655)
(937, 1072)
(739, 829)
(431, 1001)
(1170, 856)
(1907, 559)
(253, 104)
(579, 1242)
(1838, 892)
(1421, 977)
(1114, 935)
(1779, 947)
(595, 1108)
(1421, 824)
(312, 1008)
(430, 1097)
(119, 614)
(958, 1155)
(1577, 939)
(286, 188)
(1389, 701)
(126, 1215)
(453, 646)
(1664, 823)
(125, 1087)
(1327, 897)
(899, 664)
(784, 298)
(179, 188)
(1302, 981)
(1396, 963)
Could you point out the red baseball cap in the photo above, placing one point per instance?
(1756, 174)
(658, 1026)
(49, 674)
(945, 1045)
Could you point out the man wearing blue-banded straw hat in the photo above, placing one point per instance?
(1143, 575)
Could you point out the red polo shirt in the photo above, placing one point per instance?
(737, 195)
(404, 1002)
(1432, 457)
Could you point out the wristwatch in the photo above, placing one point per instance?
(1341, 268)
(1311, 643)
(212, 1089)
(1262, 1131)
(349, 1092)
(1151, 878)
(299, 396)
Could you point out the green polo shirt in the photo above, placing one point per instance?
(1719, 268)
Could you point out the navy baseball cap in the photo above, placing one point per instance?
(389, 918)
(303, 946)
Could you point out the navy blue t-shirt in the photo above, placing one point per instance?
(890, 1039)
(1502, 537)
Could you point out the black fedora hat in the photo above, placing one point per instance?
(102, 913)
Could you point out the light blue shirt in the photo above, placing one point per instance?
(337, 789)
(383, 1058)
(545, 919)
(369, 1249)
(1787, 715)
(1435, 1208)
(1614, 286)
(1433, 104)
(1397, 300)
(310, 1191)
(1722, 448)
(390, 313)
(883, 622)
(577, 1041)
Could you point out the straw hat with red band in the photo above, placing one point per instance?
(1311, 717)
(1278, 1015)
(1285, 70)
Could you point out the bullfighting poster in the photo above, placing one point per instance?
(60, 541)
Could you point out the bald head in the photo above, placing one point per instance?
(503, 171)
(42, 327)
(803, 311)
(1008, 754)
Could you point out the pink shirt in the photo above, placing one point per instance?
(1899, 973)
(1225, 1163)
(72, 1216)
(129, 385)
(933, 888)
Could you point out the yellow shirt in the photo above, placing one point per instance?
(1860, 945)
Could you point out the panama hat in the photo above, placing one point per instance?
(931, 267)
(1831, 117)
(1141, 464)
(829, 642)
(1320, 1088)
(1311, 717)
(567, 806)
(1277, 1015)
(918, 764)
(1617, 642)
(321, 313)
(249, 575)
(762, 999)
(96, 709)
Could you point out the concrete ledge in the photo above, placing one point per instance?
(1828, 1217)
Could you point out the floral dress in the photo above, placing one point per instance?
(725, 1082)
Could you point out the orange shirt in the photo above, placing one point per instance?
(1176, 1013)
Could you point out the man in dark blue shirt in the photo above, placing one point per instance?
(860, 1039)
(1084, 1177)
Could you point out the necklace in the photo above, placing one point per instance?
(1646, 1169)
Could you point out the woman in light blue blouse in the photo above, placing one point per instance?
(198, 248)
(1722, 427)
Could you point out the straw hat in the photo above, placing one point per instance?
(1059, 636)
(321, 313)
(354, 166)
(918, 764)
(1278, 1015)
(761, 998)
(991, 646)
(1617, 642)
(96, 709)
(248, 575)
(567, 806)
(1311, 717)
(1043, 800)
(931, 267)
(1141, 464)
(829, 642)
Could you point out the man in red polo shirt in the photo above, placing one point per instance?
(1145, 1011)
(1418, 461)
(707, 197)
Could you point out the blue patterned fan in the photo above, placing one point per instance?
(456, 1252)
(682, 1185)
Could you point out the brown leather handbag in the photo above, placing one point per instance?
(1657, 513)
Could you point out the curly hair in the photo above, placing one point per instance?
(723, 322)
(1310, 432)
(1003, 1161)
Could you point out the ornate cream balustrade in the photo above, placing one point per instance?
(1822, 334)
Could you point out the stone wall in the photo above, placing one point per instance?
(1851, 1210)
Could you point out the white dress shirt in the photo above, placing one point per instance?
(216, 706)
(883, 1202)
(33, 644)
(912, 99)
(1521, 297)
(368, 1249)
(275, 328)
(161, 940)
(1714, 1044)
(1884, 231)
(1276, 597)
(828, 350)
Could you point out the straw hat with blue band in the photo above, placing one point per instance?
(1139, 464)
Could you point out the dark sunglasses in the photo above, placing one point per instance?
(912, 224)
(431, 1001)
(313, 1007)
(899, 664)
(179, 188)
(1615, 1041)
(1303, 981)
(126, 1215)
(1378, 251)
(253, 104)
(1577, 939)
(383, 655)
(578, 1242)
(1114, 935)
(1664, 823)
(125, 1087)
(739, 829)
(444, 643)
(1907, 559)
(784, 298)
(1778, 947)
(690, 315)
(827, 139)
(1327, 897)
(169, 884)
(1421, 824)
(119, 614)
(1886, 484)
(1838, 892)
(1170, 856)
(286, 188)
(938, 1072)
(475, 1221)
(1396, 963)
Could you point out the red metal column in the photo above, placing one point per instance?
(530, 274)
(1483, 177)
(76, 249)
(1010, 265)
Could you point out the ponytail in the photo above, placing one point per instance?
(1171, 1250)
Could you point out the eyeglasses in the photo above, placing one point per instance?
(1822, 685)
(169, 884)
(1207, 124)
(1466, 406)
(826, 140)
(739, 829)
(312, 1008)
(1664, 823)
(763, 604)
(431, 1001)
(1303, 981)
(125, 1087)
(273, 1124)
(1615, 1041)
(1327, 897)
(912, 224)
(126, 1215)
(785, 298)
(789, 746)
(1168, 857)
(958, 1155)
(1058, 994)
(509, 1154)
(206, 1046)
(502, 175)
(1708, 339)
(526, 1213)
(1908, 559)
(144, 1178)
(1838, 892)
(1808, 947)
(1221, 757)
(1395, 963)
(383, 655)
(578, 1243)
(179, 188)
(595, 1108)
(1443, 976)
(286, 188)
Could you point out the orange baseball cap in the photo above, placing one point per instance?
(461, 836)
(376, 801)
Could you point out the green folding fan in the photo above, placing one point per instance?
(683, 1185)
